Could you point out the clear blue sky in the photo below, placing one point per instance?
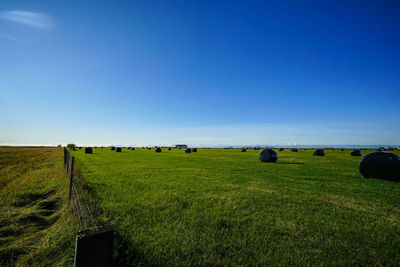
(200, 72)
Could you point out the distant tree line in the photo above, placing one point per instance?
(71, 146)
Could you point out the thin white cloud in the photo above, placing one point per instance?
(12, 38)
(28, 18)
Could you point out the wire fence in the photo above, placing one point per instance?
(91, 237)
(77, 200)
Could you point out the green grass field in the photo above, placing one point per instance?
(225, 207)
(36, 228)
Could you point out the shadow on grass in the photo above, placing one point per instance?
(125, 254)
(283, 162)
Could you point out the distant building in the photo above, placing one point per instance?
(181, 146)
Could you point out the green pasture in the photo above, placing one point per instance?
(225, 207)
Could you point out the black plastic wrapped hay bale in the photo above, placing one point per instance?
(243, 149)
(268, 155)
(132, 148)
(169, 148)
(319, 152)
(158, 150)
(281, 149)
(383, 165)
(188, 150)
(80, 147)
(88, 150)
(356, 152)
(294, 150)
(118, 149)
(113, 148)
(194, 150)
(342, 149)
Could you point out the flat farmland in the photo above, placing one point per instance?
(225, 207)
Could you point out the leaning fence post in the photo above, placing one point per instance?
(71, 176)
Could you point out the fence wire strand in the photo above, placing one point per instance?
(81, 208)
(86, 203)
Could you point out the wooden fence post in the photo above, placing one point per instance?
(67, 162)
(65, 157)
(71, 177)
(94, 247)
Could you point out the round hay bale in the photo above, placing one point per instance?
(118, 149)
(319, 152)
(149, 148)
(243, 149)
(305, 149)
(169, 148)
(342, 149)
(294, 150)
(194, 150)
(88, 150)
(80, 147)
(356, 152)
(281, 149)
(268, 155)
(158, 149)
(132, 148)
(188, 150)
(113, 148)
(383, 165)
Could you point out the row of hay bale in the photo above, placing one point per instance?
(187, 150)
(378, 164)
(383, 165)
(318, 152)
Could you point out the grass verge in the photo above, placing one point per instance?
(36, 228)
